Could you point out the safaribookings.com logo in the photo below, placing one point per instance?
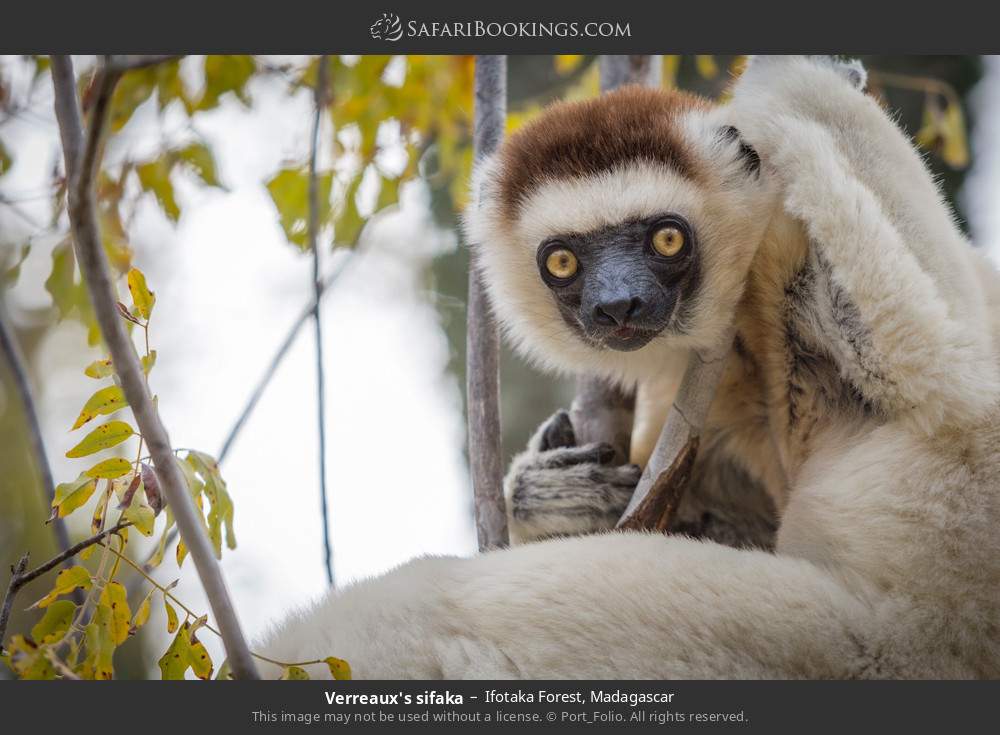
(390, 28)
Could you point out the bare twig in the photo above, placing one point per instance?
(482, 370)
(81, 164)
(19, 577)
(319, 99)
(8, 599)
(15, 361)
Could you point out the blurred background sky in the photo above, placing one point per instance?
(228, 288)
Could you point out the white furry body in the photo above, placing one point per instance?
(887, 561)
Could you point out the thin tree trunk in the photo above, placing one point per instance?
(82, 157)
(483, 369)
(19, 374)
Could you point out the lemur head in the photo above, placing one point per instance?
(613, 231)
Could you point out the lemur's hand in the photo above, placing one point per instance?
(555, 488)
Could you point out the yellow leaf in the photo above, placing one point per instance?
(671, 63)
(99, 369)
(54, 623)
(142, 297)
(109, 469)
(293, 673)
(955, 150)
(201, 662)
(148, 361)
(137, 511)
(100, 639)
(176, 660)
(28, 660)
(102, 506)
(161, 548)
(66, 581)
(114, 596)
(225, 673)
(103, 402)
(71, 495)
(567, 63)
(142, 614)
(181, 552)
(108, 435)
(171, 615)
(339, 668)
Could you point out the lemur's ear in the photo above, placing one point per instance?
(747, 154)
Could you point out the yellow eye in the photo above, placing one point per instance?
(668, 241)
(561, 263)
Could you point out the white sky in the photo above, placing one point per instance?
(228, 287)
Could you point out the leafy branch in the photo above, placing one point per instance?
(82, 154)
(19, 577)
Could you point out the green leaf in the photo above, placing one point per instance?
(116, 598)
(54, 623)
(289, 190)
(61, 283)
(220, 512)
(177, 659)
(109, 469)
(154, 177)
(103, 402)
(225, 673)
(140, 514)
(142, 297)
(66, 581)
(71, 495)
(99, 369)
(339, 668)
(199, 159)
(294, 673)
(103, 437)
(171, 615)
(228, 73)
(5, 159)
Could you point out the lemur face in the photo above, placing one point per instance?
(620, 286)
(610, 230)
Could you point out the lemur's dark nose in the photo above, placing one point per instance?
(617, 312)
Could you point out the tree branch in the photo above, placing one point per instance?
(319, 99)
(15, 361)
(128, 62)
(19, 577)
(81, 162)
(666, 475)
(482, 370)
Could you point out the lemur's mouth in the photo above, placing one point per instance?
(629, 338)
